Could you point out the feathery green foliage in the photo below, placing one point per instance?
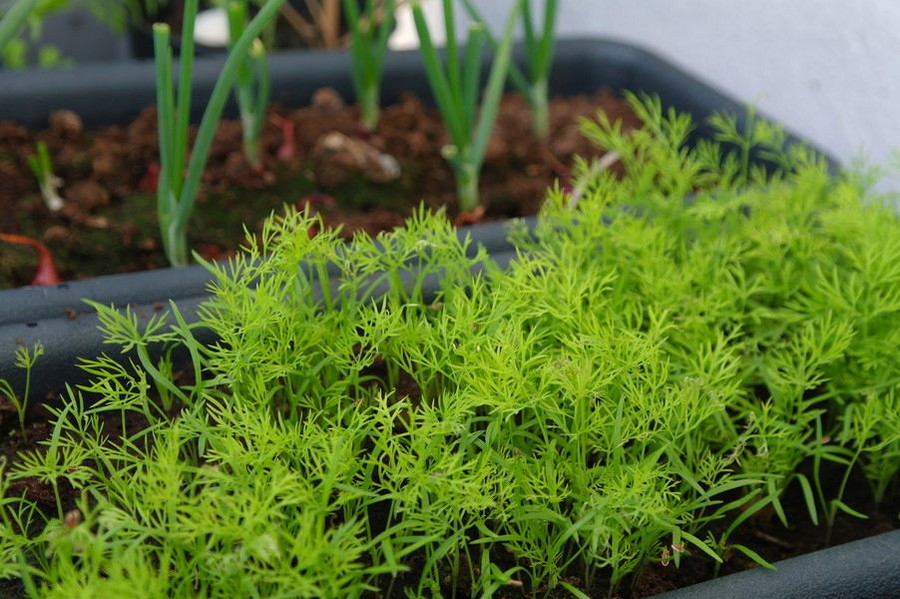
(647, 365)
(25, 359)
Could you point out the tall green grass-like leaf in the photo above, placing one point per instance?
(456, 87)
(539, 48)
(369, 33)
(252, 84)
(179, 177)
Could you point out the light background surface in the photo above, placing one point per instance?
(828, 70)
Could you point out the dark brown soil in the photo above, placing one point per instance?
(109, 222)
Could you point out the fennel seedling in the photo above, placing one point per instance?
(25, 359)
(644, 376)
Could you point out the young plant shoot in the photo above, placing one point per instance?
(25, 359)
(252, 86)
(369, 33)
(456, 88)
(179, 177)
(42, 167)
(538, 56)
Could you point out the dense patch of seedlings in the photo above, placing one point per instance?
(402, 417)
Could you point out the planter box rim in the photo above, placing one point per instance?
(867, 568)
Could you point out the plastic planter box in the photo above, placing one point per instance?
(57, 317)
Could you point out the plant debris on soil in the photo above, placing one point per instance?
(327, 161)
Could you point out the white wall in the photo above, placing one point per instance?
(827, 69)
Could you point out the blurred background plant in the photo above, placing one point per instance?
(181, 168)
(40, 39)
(31, 44)
(455, 83)
(300, 23)
(539, 41)
(368, 46)
(467, 98)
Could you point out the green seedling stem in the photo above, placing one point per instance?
(42, 167)
(253, 85)
(539, 57)
(539, 52)
(456, 89)
(369, 32)
(177, 187)
(24, 359)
